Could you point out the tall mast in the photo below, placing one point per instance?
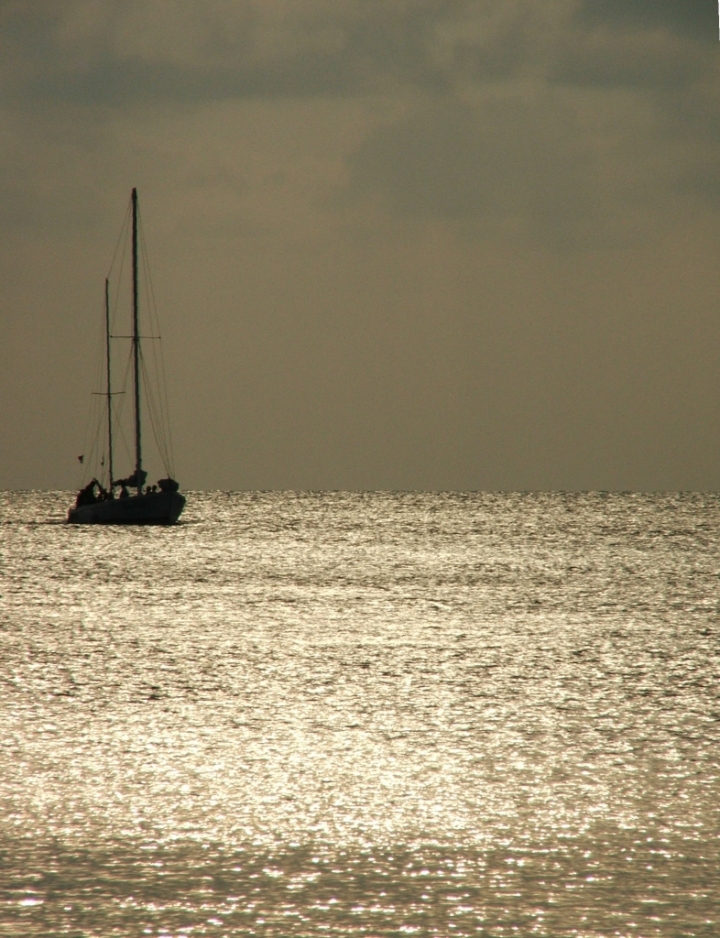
(109, 388)
(136, 342)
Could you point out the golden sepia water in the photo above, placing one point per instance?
(362, 714)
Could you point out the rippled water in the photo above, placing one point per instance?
(362, 714)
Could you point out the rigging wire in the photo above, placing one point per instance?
(122, 237)
(163, 433)
(90, 461)
(155, 418)
(90, 443)
(120, 407)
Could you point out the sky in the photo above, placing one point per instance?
(395, 244)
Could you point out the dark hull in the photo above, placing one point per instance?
(155, 508)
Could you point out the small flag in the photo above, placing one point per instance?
(81, 459)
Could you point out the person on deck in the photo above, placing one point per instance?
(86, 495)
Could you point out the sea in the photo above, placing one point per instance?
(362, 714)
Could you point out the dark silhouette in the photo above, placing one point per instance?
(168, 485)
(134, 481)
(86, 495)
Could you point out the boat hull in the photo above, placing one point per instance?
(161, 508)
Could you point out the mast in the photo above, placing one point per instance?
(109, 388)
(136, 342)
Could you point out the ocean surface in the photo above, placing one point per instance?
(362, 714)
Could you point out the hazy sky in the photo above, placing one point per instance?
(437, 244)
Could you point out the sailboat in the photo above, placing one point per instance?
(159, 504)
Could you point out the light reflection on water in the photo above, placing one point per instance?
(363, 714)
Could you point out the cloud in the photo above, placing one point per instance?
(505, 164)
(663, 54)
(574, 120)
(110, 52)
(602, 127)
(564, 167)
(116, 52)
(696, 18)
